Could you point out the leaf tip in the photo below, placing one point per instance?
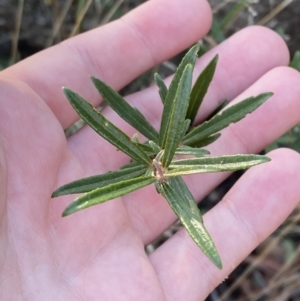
(216, 58)
(196, 48)
(69, 210)
(55, 194)
(217, 261)
(67, 91)
(93, 78)
(267, 94)
(64, 214)
(64, 89)
(215, 258)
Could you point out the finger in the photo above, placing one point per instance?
(3, 185)
(117, 52)
(4, 263)
(255, 206)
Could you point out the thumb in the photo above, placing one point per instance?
(3, 183)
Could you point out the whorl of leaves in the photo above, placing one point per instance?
(158, 160)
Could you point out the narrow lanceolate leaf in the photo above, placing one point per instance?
(191, 220)
(94, 182)
(163, 90)
(105, 128)
(218, 109)
(187, 150)
(107, 193)
(190, 58)
(182, 190)
(131, 164)
(186, 127)
(154, 147)
(214, 164)
(146, 148)
(125, 111)
(228, 116)
(200, 88)
(177, 116)
(205, 141)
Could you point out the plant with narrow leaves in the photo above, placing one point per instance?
(158, 160)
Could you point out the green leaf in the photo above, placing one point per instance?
(190, 218)
(295, 62)
(214, 164)
(205, 141)
(154, 147)
(190, 58)
(145, 146)
(177, 115)
(124, 110)
(94, 182)
(216, 31)
(107, 193)
(187, 150)
(105, 128)
(200, 88)
(131, 164)
(296, 144)
(228, 116)
(163, 90)
(218, 109)
(186, 127)
(182, 190)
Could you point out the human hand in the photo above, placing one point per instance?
(98, 254)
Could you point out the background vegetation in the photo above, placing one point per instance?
(272, 271)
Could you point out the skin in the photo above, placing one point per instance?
(98, 254)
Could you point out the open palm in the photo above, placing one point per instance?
(98, 254)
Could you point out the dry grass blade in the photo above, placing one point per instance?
(112, 11)
(221, 5)
(80, 18)
(15, 40)
(233, 14)
(271, 15)
(59, 22)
